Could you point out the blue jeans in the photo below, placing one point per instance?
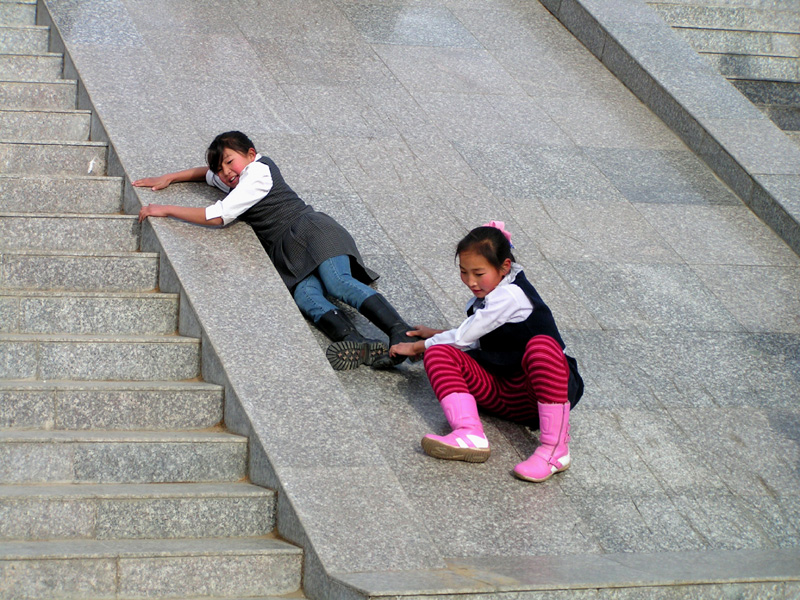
(331, 278)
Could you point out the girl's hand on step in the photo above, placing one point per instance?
(154, 210)
(154, 183)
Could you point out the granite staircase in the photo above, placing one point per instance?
(755, 44)
(117, 477)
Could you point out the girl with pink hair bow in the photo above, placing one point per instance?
(507, 357)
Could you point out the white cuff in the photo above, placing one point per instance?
(215, 211)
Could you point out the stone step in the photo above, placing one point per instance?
(729, 17)
(82, 233)
(135, 511)
(116, 358)
(58, 95)
(785, 117)
(79, 271)
(53, 158)
(31, 67)
(784, 93)
(144, 313)
(771, 68)
(98, 570)
(60, 194)
(18, 13)
(109, 405)
(756, 43)
(760, 4)
(735, 66)
(28, 39)
(40, 457)
(25, 125)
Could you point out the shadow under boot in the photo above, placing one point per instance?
(349, 349)
(377, 309)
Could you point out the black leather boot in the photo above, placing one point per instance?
(349, 348)
(378, 310)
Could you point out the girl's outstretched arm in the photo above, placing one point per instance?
(185, 213)
(162, 181)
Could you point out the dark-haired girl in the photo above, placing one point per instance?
(314, 255)
(507, 357)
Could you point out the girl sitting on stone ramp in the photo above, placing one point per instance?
(507, 356)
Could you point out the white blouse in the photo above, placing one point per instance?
(506, 303)
(255, 182)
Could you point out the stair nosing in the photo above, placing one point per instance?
(54, 111)
(79, 254)
(96, 338)
(116, 178)
(24, 293)
(101, 491)
(70, 143)
(59, 215)
(98, 436)
(116, 385)
(248, 546)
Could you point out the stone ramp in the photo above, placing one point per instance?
(117, 478)
(411, 123)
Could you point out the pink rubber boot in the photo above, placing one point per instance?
(553, 454)
(467, 441)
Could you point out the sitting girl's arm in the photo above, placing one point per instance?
(408, 349)
(423, 332)
(162, 181)
(414, 348)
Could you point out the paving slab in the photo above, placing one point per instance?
(413, 122)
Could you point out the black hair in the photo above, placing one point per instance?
(234, 140)
(488, 242)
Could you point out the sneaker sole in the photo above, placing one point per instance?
(437, 449)
(345, 356)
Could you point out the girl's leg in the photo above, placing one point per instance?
(547, 373)
(457, 379)
(349, 348)
(546, 369)
(452, 371)
(309, 295)
(339, 282)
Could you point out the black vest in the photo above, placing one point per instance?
(502, 349)
(273, 214)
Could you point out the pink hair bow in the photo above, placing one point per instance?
(501, 225)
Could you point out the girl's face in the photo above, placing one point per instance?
(479, 275)
(232, 165)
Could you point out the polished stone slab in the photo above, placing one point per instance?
(719, 234)
(685, 90)
(642, 575)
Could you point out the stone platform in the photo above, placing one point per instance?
(411, 122)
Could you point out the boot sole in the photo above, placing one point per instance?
(437, 449)
(561, 470)
(345, 356)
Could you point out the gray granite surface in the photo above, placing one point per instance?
(412, 122)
